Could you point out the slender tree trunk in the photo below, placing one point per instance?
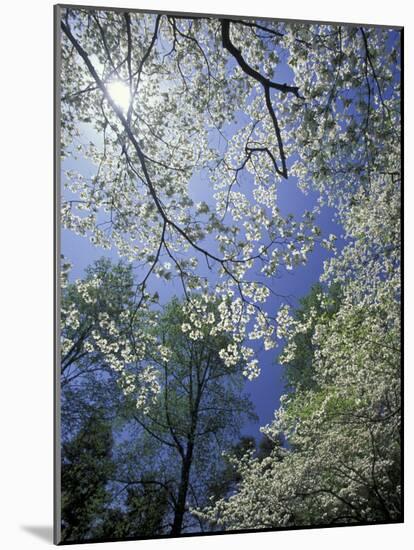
(187, 459)
(183, 490)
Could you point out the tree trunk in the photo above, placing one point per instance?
(182, 491)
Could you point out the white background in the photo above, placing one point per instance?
(26, 220)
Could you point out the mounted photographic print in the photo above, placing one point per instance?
(228, 324)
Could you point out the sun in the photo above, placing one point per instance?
(120, 93)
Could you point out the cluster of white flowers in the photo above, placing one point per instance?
(66, 345)
(71, 317)
(148, 388)
(252, 370)
(210, 314)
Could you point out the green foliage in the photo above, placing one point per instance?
(86, 468)
(94, 308)
(142, 515)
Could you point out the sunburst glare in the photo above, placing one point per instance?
(120, 93)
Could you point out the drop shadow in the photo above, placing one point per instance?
(43, 532)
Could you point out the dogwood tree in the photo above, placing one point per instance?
(343, 462)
